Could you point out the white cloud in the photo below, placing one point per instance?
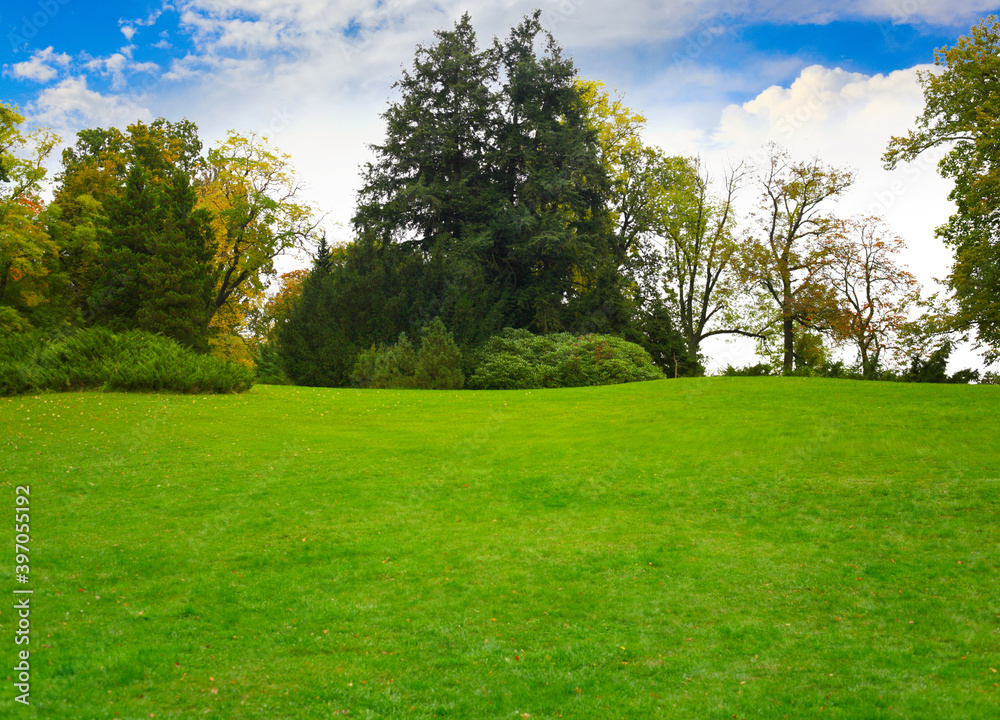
(846, 119)
(119, 65)
(43, 66)
(71, 105)
(129, 32)
(186, 68)
(151, 18)
(581, 24)
(943, 12)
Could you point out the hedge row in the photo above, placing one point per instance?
(96, 358)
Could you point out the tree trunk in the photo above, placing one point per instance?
(788, 361)
(788, 332)
(868, 365)
(693, 356)
(693, 343)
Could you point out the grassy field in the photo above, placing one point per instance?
(704, 548)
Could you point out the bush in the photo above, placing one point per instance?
(934, 369)
(758, 370)
(437, 365)
(517, 359)
(97, 358)
(384, 366)
(270, 370)
(439, 362)
(11, 321)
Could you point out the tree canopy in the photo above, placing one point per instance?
(788, 249)
(489, 176)
(962, 113)
(508, 194)
(27, 253)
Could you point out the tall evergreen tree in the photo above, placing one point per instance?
(311, 342)
(96, 176)
(431, 181)
(557, 233)
(489, 180)
(156, 273)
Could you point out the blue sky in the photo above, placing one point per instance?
(717, 78)
(154, 38)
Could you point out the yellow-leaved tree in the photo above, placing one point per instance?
(253, 193)
(27, 253)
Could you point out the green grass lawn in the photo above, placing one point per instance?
(704, 548)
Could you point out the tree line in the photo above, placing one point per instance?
(507, 193)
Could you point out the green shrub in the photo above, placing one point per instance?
(97, 358)
(11, 321)
(758, 370)
(270, 370)
(934, 369)
(386, 366)
(435, 365)
(363, 372)
(517, 359)
(439, 361)
(394, 365)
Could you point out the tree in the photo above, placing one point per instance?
(28, 264)
(488, 187)
(431, 179)
(95, 174)
(635, 187)
(962, 113)
(253, 194)
(312, 344)
(873, 292)
(280, 305)
(157, 260)
(665, 345)
(556, 237)
(439, 361)
(786, 253)
(699, 268)
(27, 253)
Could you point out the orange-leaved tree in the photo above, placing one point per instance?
(873, 291)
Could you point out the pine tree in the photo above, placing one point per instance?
(313, 349)
(439, 361)
(156, 274)
(489, 179)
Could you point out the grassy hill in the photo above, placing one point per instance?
(704, 548)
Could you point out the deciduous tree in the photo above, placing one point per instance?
(27, 253)
(700, 252)
(962, 113)
(788, 248)
(635, 187)
(872, 291)
(254, 196)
